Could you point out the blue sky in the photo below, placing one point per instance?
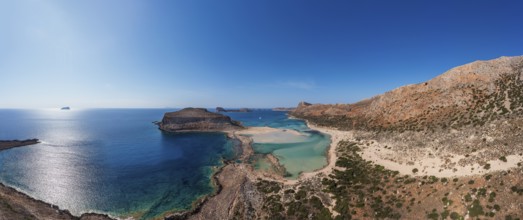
(238, 53)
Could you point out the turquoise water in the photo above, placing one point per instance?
(116, 161)
(268, 118)
(297, 157)
(108, 160)
(307, 154)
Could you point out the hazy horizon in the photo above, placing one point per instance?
(144, 54)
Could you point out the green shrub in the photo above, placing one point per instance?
(455, 216)
(475, 209)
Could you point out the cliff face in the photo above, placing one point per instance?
(472, 94)
(197, 119)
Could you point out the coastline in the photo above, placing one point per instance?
(335, 137)
(234, 181)
(18, 205)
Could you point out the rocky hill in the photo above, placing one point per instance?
(197, 119)
(463, 125)
(473, 112)
(469, 95)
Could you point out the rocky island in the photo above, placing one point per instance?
(197, 119)
(221, 109)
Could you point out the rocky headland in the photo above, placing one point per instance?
(4, 145)
(197, 119)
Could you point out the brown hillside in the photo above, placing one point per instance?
(472, 94)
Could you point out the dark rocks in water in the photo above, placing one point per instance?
(66, 108)
(220, 109)
(197, 119)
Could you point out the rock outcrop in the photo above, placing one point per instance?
(197, 119)
(470, 94)
(220, 109)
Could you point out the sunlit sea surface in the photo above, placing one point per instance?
(116, 161)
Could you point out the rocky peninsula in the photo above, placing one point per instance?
(4, 145)
(197, 119)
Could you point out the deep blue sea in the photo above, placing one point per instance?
(116, 161)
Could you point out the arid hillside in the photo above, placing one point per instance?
(469, 95)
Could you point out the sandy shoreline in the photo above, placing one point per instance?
(335, 137)
(427, 164)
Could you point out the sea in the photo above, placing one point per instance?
(117, 162)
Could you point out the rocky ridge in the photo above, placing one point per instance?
(472, 94)
(475, 111)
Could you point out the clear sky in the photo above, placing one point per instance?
(239, 53)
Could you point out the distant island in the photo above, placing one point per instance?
(220, 109)
(65, 108)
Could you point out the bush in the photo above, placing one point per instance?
(475, 209)
(468, 198)
(455, 216)
(415, 170)
(503, 158)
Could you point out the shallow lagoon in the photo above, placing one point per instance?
(298, 150)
